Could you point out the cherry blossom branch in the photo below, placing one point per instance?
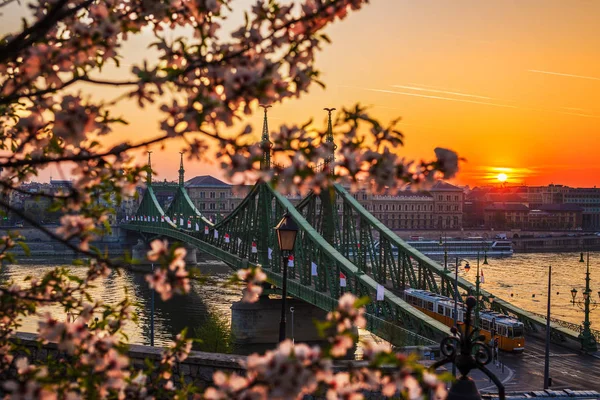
(39, 29)
(31, 95)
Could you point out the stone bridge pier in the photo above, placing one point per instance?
(258, 323)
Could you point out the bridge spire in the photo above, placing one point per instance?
(149, 173)
(181, 170)
(329, 139)
(265, 143)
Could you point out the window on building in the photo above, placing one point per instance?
(212, 206)
(212, 195)
(222, 195)
(202, 195)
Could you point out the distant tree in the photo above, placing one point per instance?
(215, 335)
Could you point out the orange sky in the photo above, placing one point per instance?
(507, 84)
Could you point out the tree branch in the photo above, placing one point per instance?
(39, 29)
(86, 157)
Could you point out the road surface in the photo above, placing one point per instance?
(568, 369)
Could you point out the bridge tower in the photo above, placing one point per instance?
(327, 195)
(149, 172)
(181, 170)
(265, 143)
(265, 206)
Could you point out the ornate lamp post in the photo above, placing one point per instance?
(286, 237)
(456, 296)
(477, 291)
(445, 244)
(588, 341)
(467, 351)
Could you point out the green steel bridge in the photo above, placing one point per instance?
(336, 236)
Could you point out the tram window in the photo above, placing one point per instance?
(452, 314)
(440, 309)
(485, 325)
(518, 331)
(420, 302)
(429, 306)
(510, 332)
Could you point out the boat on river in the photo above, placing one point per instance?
(460, 247)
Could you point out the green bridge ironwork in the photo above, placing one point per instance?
(337, 235)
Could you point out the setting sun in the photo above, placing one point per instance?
(502, 177)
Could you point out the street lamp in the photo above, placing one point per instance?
(477, 291)
(467, 268)
(286, 237)
(588, 342)
(445, 244)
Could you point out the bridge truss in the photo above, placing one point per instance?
(337, 236)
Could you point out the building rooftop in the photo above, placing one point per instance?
(389, 194)
(559, 207)
(206, 181)
(445, 186)
(506, 207)
(505, 198)
(548, 393)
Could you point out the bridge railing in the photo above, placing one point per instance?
(429, 272)
(396, 334)
(247, 241)
(570, 325)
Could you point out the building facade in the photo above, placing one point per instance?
(438, 208)
(589, 200)
(541, 217)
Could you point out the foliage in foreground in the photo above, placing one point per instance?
(201, 80)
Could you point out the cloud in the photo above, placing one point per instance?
(593, 78)
(462, 100)
(426, 96)
(426, 89)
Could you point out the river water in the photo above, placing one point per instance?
(521, 279)
(170, 317)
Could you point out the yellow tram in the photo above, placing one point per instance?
(509, 331)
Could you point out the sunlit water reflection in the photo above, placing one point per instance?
(169, 317)
(522, 279)
(515, 278)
